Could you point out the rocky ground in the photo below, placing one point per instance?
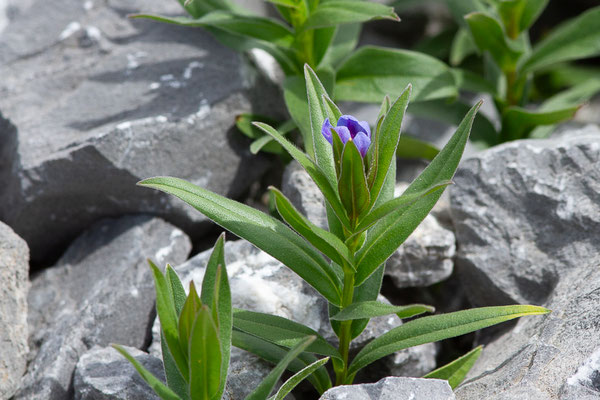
(91, 102)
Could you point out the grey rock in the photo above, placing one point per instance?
(425, 258)
(393, 388)
(101, 291)
(550, 357)
(525, 214)
(261, 283)
(101, 101)
(104, 374)
(14, 285)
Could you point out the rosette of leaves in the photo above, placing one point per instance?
(513, 70)
(345, 264)
(196, 332)
(323, 34)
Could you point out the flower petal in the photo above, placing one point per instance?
(362, 142)
(366, 128)
(326, 130)
(343, 133)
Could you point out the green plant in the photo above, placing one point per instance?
(196, 336)
(510, 65)
(355, 171)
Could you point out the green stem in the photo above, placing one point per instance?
(345, 328)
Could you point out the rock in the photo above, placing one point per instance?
(526, 214)
(550, 357)
(261, 283)
(104, 374)
(102, 101)
(14, 284)
(101, 291)
(393, 388)
(425, 258)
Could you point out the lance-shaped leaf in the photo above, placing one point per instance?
(217, 293)
(291, 383)
(352, 184)
(391, 231)
(165, 308)
(438, 327)
(331, 109)
(387, 138)
(462, 46)
(342, 44)
(518, 122)
(473, 82)
(268, 384)
(575, 39)
(205, 357)
(175, 379)
(371, 309)
(456, 371)
(258, 28)
(187, 317)
(266, 232)
(325, 241)
(460, 8)
(518, 15)
(159, 388)
(337, 12)
(272, 353)
(317, 175)
(371, 72)
(489, 36)
(281, 331)
(411, 148)
(286, 3)
(177, 290)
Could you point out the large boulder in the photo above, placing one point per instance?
(14, 284)
(99, 101)
(525, 214)
(393, 388)
(100, 292)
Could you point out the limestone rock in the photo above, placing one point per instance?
(393, 388)
(14, 284)
(100, 292)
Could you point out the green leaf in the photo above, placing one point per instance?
(489, 36)
(518, 122)
(315, 172)
(294, 95)
(456, 371)
(386, 143)
(331, 109)
(281, 331)
(472, 82)
(159, 388)
(460, 8)
(165, 308)
(370, 309)
(273, 354)
(187, 317)
(411, 148)
(576, 39)
(326, 242)
(371, 72)
(244, 123)
(267, 233)
(391, 231)
(518, 15)
(175, 380)
(342, 44)
(216, 291)
(322, 39)
(197, 8)
(286, 3)
(266, 386)
(263, 29)
(205, 357)
(462, 46)
(438, 327)
(291, 383)
(337, 12)
(177, 290)
(352, 184)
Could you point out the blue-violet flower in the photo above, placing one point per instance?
(349, 128)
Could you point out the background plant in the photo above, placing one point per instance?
(196, 338)
(345, 264)
(493, 49)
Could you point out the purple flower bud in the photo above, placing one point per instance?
(349, 128)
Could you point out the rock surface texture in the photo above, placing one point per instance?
(525, 214)
(98, 101)
(527, 217)
(393, 388)
(14, 284)
(104, 374)
(425, 258)
(100, 292)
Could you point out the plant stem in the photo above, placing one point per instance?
(345, 328)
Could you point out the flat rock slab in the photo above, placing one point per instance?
(525, 214)
(393, 388)
(100, 292)
(14, 285)
(98, 101)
